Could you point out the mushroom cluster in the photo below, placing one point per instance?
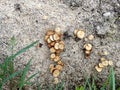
(103, 63)
(56, 46)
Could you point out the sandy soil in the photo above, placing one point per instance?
(28, 21)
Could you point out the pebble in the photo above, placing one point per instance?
(118, 64)
(106, 14)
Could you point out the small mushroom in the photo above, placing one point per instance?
(56, 81)
(88, 46)
(105, 63)
(90, 37)
(51, 38)
(51, 66)
(52, 56)
(57, 30)
(56, 46)
(57, 58)
(58, 67)
(56, 37)
(110, 63)
(87, 52)
(48, 40)
(50, 32)
(80, 34)
(100, 65)
(60, 63)
(56, 73)
(102, 59)
(52, 50)
(52, 69)
(98, 68)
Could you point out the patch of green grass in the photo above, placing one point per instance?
(109, 84)
(7, 72)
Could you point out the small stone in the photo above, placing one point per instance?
(45, 17)
(98, 68)
(105, 53)
(106, 14)
(118, 63)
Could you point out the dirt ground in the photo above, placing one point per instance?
(28, 21)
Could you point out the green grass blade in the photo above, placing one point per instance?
(22, 79)
(112, 79)
(79, 88)
(11, 76)
(21, 51)
(31, 77)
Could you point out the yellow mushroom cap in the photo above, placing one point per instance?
(52, 56)
(51, 66)
(56, 73)
(80, 34)
(48, 40)
(58, 30)
(91, 37)
(56, 37)
(98, 68)
(110, 63)
(87, 52)
(50, 32)
(88, 46)
(56, 81)
(57, 58)
(56, 46)
(100, 65)
(51, 38)
(52, 50)
(102, 59)
(60, 63)
(58, 67)
(75, 32)
(105, 63)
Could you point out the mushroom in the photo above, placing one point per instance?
(98, 68)
(79, 33)
(56, 73)
(58, 67)
(90, 37)
(110, 63)
(105, 63)
(88, 46)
